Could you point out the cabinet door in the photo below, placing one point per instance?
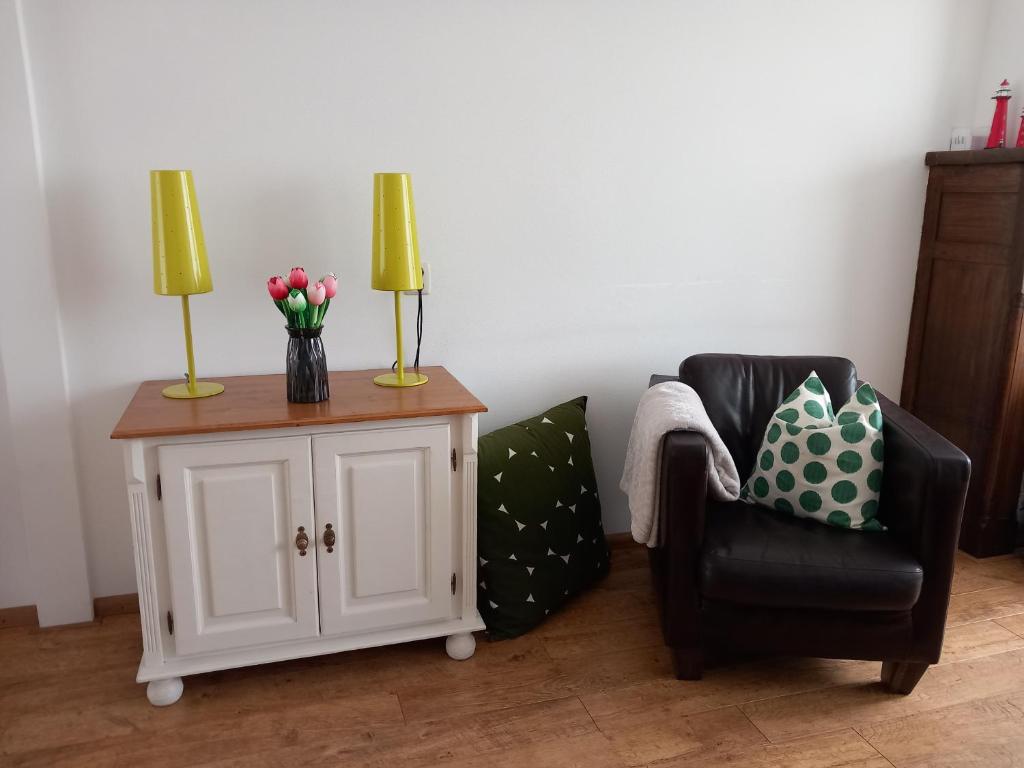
(387, 495)
(232, 512)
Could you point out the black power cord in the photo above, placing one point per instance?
(419, 328)
(419, 332)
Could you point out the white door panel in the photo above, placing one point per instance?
(386, 497)
(231, 513)
(387, 493)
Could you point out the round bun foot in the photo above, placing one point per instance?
(461, 646)
(163, 693)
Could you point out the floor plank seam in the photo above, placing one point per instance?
(802, 691)
(983, 619)
(602, 654)
(591, 716)
(978, 654)
(1016, 706)
(401, 708)
(801, 736)
(500, 708)
(1009, 583)
(749, 720)
(879, 752)
(668, 759)
(980, 589)
(1009, 629)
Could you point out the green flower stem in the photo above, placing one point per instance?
(306, 313)
(310, 317)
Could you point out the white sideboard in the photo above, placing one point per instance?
(265, 530)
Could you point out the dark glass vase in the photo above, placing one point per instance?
(307, 366)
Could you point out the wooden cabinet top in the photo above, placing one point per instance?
(259, 402)
(976, 156)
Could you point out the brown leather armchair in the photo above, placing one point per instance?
(749, 578)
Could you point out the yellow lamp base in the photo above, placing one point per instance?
(391, 380)
(202, 389)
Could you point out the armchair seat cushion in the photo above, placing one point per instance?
(759, 557)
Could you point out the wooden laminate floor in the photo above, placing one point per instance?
(592, 687)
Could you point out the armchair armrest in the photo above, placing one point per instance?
(682, 495)
(924, 485)
(661, 378)
(682, 498)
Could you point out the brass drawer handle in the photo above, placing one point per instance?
(302, 541)
(330, 537)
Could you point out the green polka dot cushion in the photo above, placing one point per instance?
(540, 539)
(820, 464)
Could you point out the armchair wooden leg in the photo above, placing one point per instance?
(689, 663)
(902, 676)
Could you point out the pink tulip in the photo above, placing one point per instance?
(297, 278)
(330, 282)
(316, 294)
(278, 288)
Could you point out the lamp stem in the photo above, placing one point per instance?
(188, 345)
(398, 336)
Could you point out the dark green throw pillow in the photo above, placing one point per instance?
(540, 535)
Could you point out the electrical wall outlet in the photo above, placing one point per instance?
(960, 138)
(425, 267)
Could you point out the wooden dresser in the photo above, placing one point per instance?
(265, 530)
(964, 373)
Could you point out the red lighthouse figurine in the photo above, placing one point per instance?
(1020, 132)
(997, 134)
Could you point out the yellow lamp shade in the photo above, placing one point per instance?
(396, 252)
(179, 251)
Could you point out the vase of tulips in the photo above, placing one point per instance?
(304, 307)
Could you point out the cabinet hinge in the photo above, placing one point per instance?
(170, 623)
(159, 489)
(454, 461)
(453, 583)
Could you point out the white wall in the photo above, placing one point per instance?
(42, 554)
(19, 177)
(602, 187)
(15, 574)
(1002, 57)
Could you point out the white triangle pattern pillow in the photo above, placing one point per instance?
(814, 463)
